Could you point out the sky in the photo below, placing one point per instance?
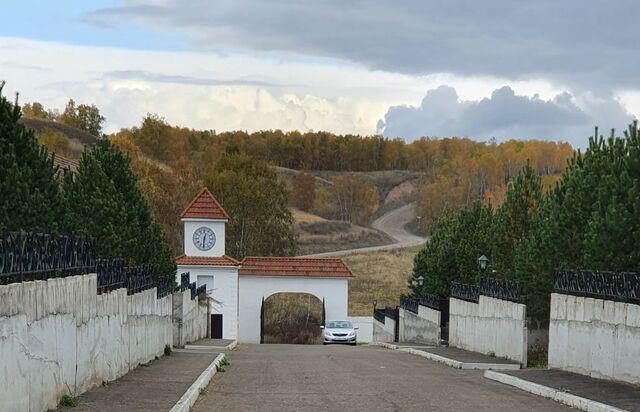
(498, 69)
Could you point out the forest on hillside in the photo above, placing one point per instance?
(452, 173)
(588, 220)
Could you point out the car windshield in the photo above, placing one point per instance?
(339, 324)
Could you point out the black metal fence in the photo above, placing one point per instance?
(28, 256)
(500, 289)
(431, 301)
(408, 303)
(618, 286)
(112, 274)
(32, 256)
(378, 314)
(470, 293)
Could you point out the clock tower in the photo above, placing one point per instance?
(204, 260)
(204, 223)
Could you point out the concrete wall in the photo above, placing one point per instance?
(365, 327)
(491, 326)
(384, 332)
(59, 337)
(595, 337)
(423, 327)
(189, 319)
(252, 289)
(222, 289)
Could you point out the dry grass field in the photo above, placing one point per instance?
(382, 275)
(317, 235)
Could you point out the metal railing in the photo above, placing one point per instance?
(408, 303)
(470, 293)
(112, 274)
(618, 286)
(429, 300)
(378, 314)
(500, 289)
(164, 287)
(28, 256)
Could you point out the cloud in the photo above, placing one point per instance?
(504, 115)
(569, 42)
(179, 79)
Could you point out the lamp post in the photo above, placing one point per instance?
(375, 303)
(483, 262)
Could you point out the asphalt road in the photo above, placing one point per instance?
(392, 223)
(340, 378)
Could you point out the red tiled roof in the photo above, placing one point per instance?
(225, 260)
(295, 266)
(204, 206)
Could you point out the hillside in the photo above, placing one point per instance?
(76, 138)
(318, 235)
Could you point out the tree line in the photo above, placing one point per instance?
(587, 219)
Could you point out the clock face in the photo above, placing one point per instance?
(204, 238)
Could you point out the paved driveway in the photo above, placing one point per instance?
(338, 378)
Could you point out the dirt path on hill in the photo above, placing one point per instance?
(392, 223)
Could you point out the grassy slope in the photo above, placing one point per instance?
(317, 235)
(382, 275)
(77, 138)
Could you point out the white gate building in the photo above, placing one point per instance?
(237, 289)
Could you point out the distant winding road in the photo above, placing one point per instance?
(392, 223)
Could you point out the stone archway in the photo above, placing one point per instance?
(292, 318)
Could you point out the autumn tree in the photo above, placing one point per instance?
(29, 192)
(37, 111)
(84, 117)
(303, 194)
(256, 200)
(354, 198)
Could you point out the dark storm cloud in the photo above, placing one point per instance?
(585, 44)
(504, 115)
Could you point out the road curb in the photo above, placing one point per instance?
(450, 362)
(190, 397)
(568, 399)
(230, 346)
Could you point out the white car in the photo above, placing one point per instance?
(339, 331)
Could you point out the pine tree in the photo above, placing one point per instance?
(103, 200)
(514, 218)
(29, 192)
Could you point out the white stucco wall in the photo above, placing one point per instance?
(253, 288)
(222, 288)
(595, 337)
(421, 327)
(218, 227)
(365, 327)
(491, 326)
(384, 332)
(59, 337)
(189, 319)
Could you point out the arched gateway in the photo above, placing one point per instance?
(237, 289)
